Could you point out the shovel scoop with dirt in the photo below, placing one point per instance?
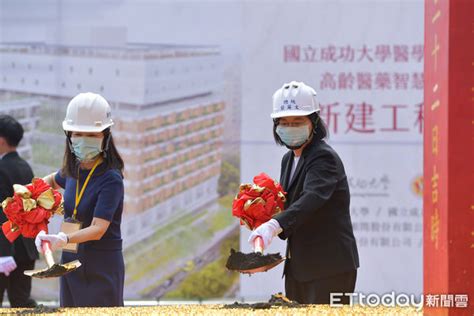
(54, 269)
(249, 263)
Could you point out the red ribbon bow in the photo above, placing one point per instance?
(30, 208)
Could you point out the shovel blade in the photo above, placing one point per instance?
(252, 262)
(56, 270)
(261, 269)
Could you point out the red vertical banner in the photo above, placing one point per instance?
(448, 201)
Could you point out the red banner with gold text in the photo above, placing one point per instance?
(448, 158)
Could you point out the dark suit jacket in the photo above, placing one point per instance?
(15, 170)
(316, 220)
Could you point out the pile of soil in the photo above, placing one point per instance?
(277, 300)
(245, 261)
(40, 309)
(281, 300)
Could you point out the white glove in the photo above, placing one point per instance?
(267, 231)
(7, 265)
(57, 240)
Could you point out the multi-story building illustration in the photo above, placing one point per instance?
(167, 107)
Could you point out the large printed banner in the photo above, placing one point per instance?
(365, 60)
(173, 126)
(190, 84)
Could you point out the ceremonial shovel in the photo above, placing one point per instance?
(253, 262)
(54, 269)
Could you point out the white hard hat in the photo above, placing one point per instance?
(88, 112)
(294, 99)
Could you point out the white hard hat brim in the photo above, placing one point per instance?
(292, 113)
(84, 128)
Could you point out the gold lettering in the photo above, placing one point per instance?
(435, 228)
(434, 140)
(436, 16)
(434, 186)
(435, 51)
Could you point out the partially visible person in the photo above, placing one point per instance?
(20, 255)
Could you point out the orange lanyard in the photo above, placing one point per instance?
(79, 195)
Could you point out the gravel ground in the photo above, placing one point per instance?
(216, 310)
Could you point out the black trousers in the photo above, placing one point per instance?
(18, 286)
(318, 291)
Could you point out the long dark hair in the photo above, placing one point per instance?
(320, 129)
(110, 154)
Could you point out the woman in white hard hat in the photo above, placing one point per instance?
(322, 256)
(92, 179)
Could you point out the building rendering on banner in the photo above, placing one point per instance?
(167, 108)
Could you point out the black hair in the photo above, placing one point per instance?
(112, 158)
(320, 129)
(11, 130)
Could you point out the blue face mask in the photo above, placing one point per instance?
(293, 137)
(86, 148)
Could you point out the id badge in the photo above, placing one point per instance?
(70, 226)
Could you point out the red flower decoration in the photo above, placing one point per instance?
(29, 210)
(259, 202)
(37, 187)
(11, 232)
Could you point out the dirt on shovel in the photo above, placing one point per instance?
(239, 261)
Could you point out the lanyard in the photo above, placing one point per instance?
(79, 195)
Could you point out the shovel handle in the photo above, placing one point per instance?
(258, 244)
(48, 254)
